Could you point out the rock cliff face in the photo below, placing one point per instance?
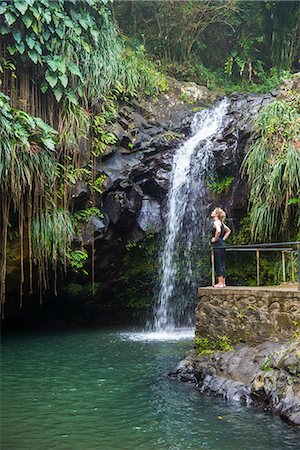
(138, 169)
(138, 166)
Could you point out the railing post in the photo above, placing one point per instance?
(293, 267)
(212, 268)
(257, 266)
(283, 267)
(298, 251)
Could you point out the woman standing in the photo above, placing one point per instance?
(220, 233)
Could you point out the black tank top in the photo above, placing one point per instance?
(220, 242)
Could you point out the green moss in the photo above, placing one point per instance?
(296, 327)
(205, 346)
(139, 273)
(218, 185)
(265, 367)
(84, 215)
(251, 308)
(172, 136)
(77, 260)
(76, 290)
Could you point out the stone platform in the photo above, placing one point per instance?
(248, 314)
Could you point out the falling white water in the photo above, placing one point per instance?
(187, 213)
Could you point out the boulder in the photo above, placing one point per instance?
(122, 206)
(194, 92)
(149, 217)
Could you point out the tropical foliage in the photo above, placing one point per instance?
(59, 35)
(273, 169)
(221, 43)
(63, 67)
(27, 172)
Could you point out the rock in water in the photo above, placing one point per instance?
(267, 376)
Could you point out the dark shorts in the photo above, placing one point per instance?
(220, 261)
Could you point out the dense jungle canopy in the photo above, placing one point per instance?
(66, 66)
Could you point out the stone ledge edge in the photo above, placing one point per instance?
(243, 292)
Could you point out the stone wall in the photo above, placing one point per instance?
(251, 315)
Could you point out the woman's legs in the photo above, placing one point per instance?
(220, 266)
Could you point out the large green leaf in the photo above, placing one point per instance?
(86, 46)
(44, 87)
(33, 55)
(10, 18)
(30, 41)
(27, 20)
(79, 91)
(17, 36)
(3, 7)
(49, 143)
(77, 30)
(60, 31)
(47, 16)
(52, 79)
(64, 80)
(4, 29)
(53, 64)
(72, 97)
(74, 69)
(36, 12)
(46, 35)
(45, 3)
(38, 48)
(44, 126)
(21, 47)
(95, 34)
(21, 6)
(62, 66)
(58, 94)
(36, 26)
(68, 22)
(83, 22)
(11, 49)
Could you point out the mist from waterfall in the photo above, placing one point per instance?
(186, 220)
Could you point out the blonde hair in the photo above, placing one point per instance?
(220, 213)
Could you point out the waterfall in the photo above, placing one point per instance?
(186, 218)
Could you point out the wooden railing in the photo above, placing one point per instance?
(286, 248)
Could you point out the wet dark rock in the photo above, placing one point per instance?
(138, 166)
(149, 217)
(184, 371)
(266, 376)
(80, 195)
(121, 206)
(118, 166)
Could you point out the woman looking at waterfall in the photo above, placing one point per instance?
(220, 233)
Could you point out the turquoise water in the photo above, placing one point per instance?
(108, 389)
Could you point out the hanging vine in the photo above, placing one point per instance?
(62, 63)
(27, 170)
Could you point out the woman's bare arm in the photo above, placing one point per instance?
(227, 232)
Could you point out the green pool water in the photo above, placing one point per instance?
(109, 390)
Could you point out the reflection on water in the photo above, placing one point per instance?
(108, 389)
